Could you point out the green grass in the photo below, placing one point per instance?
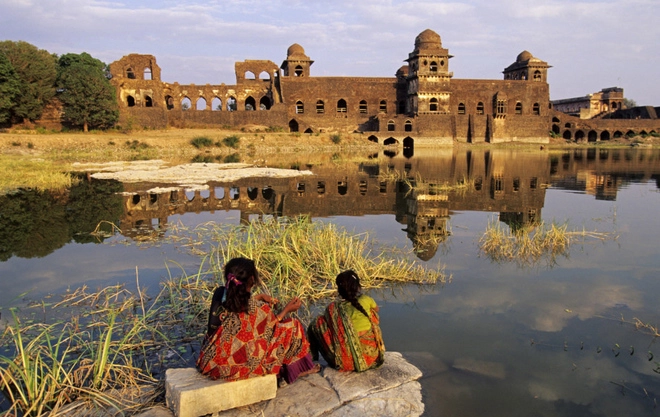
(231, 141)
(19, 172)
(201, 142)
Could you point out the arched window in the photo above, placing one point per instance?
(408, 126)
(263, 75)
(298, 71)
(147, 73)
(201, 104)
(264, 103)
(250, 104)
(249, 75)
(320, 107)
(293, 126)
(130, 100)
(130, 74)
(231, 104)
(433, 67)
(186, 104)
(341, 106)
(363, 107)
(461, 108)
(537, 75)
(169, 102)
(383, 106)
(536, 109)
(216, 104)
(433, 104)
(518, 108)
(300, 107)
(148, 102)
(390, 126)
(480, 108)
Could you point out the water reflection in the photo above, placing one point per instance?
(35, 223)
(421, 192)
(499, 340)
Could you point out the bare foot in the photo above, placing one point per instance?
(316, 369)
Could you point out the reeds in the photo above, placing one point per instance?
(533, 243)
(300, 257)
(97, 346)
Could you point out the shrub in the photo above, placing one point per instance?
(232, 158)
(336, 138)
(231, 141)
(201, 142)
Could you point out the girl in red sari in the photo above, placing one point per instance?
(348, 334)
(245, 337)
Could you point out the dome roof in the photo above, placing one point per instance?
(296, 50)
(428, 39)
(524, 56)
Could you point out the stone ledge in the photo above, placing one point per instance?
(391, 390)
(191, 394)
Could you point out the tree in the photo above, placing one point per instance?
(629, 103)
(86, 94)
(36, 70)
(9, 88)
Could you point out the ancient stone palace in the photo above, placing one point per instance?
(422, 104)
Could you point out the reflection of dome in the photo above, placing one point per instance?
(428, 39)
(524, 56)
(296, 51)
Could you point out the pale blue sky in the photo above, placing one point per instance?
(591, 44)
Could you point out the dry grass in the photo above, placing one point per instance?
(533, 244)
(21, 172)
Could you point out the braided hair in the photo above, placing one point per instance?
(348, 286)
(240, 276)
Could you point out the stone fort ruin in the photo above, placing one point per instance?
(421, 105)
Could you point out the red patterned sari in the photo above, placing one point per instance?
(333, 335)
(251, 344)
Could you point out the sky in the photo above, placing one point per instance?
(590, 44)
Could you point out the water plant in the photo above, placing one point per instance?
(529, 244)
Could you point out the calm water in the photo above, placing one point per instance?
(502, 339)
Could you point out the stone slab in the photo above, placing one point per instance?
(404, 400)
(394, 372)
(191, 394)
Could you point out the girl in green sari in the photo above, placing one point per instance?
(348, 335)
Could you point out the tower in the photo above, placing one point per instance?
(527, 67)
(428, 75)
(297, 63)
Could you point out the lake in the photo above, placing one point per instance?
(550, 337)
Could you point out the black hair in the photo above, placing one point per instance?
(348, 285)
(240, 276)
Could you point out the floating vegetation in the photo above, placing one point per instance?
(300, 257)
(530, 244)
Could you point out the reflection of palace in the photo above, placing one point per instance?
(444, 182)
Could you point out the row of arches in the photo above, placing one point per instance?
(341, 107)
(216, 104)
(500, 108)
(593, 135)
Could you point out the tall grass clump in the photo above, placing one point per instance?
(300, 257)
(335, 138)
(232, 141)
(98, 351)
(32, 173)
(530, 244)
(201, 142)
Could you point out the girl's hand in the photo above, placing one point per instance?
(293, 305)
(266, 298)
